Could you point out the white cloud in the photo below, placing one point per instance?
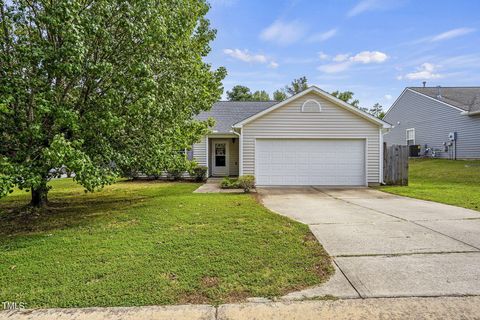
(424, 72)
(283, 33)
(345, 61)
(360, 7)
(447, 35)
(371, 5)
(323, 56)
(246, 56)
(341, 57)
(273, 64)
(369, 57)
(323, 36)
(452, 34)
(335, 67)
(388, 97)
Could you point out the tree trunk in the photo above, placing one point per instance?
(39, 196)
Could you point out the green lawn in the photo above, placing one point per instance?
(446, 181)
(147, 243)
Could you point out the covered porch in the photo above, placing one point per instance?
(223, 155)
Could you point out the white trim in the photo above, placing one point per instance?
(366, 162)
(222, 135)
(447, 104)
(380, 156)
(394, 103)
(406, 135)
(208, 156)
(423, 95)
(227, 156)
(240, 172)
(319, 137)
(240, 153)
(315, 101)
(364, 138)
(323, 94)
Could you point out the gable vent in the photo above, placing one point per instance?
(311, 105)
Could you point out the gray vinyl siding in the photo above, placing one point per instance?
(200, 152)
(433, 121)
(332, 122)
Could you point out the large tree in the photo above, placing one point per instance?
(297, 86)
(346, 96)
(100, 87)
(239, 93)
(279, 95)
(377, 110)
(260, 95)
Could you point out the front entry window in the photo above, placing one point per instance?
(220, 155)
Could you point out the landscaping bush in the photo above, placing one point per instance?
(174, 174)
(229, 183)
(199, 173)
(246, 182)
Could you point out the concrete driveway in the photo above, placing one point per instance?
(385, 245)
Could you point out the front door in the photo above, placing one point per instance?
(220, 158)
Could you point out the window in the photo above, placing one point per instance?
(188, 153)
(311, 106)
(220, 154)
(410, 136)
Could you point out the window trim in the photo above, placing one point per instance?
(406, 135)
(316, 102)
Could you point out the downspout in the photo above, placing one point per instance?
(240, 152)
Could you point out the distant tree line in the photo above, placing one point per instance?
(243, 93)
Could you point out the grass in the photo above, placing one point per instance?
(446, 181)
(150, 243)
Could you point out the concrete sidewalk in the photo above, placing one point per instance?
(451, 308)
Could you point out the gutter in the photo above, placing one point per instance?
(470, 113)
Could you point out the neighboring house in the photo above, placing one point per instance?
(426, 116)
(312, 138)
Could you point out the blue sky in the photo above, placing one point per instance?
(374, 48)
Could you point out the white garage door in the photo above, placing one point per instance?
(327, 162)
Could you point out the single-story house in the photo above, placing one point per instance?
(443, 121)
(311, 138)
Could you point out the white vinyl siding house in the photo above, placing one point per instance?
(332, 122)
(311, 138)
(200, 152)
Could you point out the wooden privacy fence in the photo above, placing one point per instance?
(395, 165)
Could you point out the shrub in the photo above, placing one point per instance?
(229, 183)
(174, 174)
(199, 173)
(246, 182)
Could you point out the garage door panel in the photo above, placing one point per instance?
(310, 161)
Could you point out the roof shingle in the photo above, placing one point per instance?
(465, 98)
(227, 113)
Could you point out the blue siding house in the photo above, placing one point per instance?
(443, 121)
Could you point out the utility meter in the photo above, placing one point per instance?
(452, 136)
